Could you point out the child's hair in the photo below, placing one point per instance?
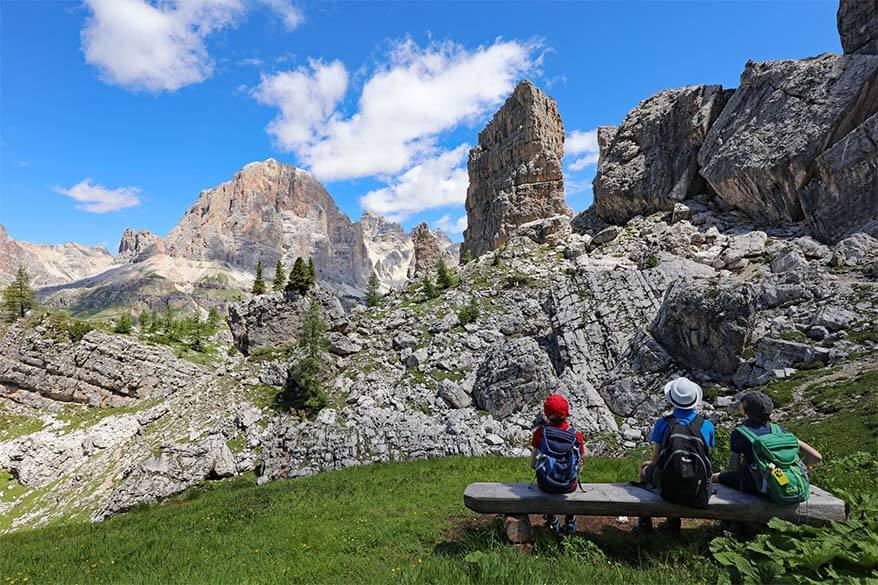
(555, 419)
(757, 406)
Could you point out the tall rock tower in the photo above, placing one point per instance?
(515, 170)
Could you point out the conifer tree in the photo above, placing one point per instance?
(467, 256)
(444, 275)
(304, 389)
(18, 297)
(300, 278)
(430, 290)
(280, 277)
(312, 270)
(123, 324)
(259, 283)
(373, 297)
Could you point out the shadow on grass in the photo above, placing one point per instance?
(618, 542)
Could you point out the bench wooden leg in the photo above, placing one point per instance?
(517, 528)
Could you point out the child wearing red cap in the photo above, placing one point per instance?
(556, 411)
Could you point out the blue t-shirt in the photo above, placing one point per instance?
(685, 416)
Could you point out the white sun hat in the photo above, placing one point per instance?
(683, 393)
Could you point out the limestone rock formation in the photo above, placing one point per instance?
(858, 26)
(512, 376)
(138, 246)
(759, 153)
(98, 370)
(842, 198)
(49, 264)
(275, 320)
(270, 211)
(429, 248)
(515, 170)
(650, 162)
(706, 325)
(390, 249)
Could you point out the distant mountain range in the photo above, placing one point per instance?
(267, 211)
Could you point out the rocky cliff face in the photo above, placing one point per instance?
(858, 26)
(270, 211)
(429, 248)
(759, 154)
(390, 249)
(50, 264)
(651, 161)
(515, 170)
(138, 246)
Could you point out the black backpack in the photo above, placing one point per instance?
(683, 470)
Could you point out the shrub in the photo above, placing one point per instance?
(445, 277)
(77, 329)
(651, 261)
(430, 290)
(469, 313)
(517, 279)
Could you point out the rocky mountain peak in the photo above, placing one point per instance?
(138, 246)
(50, 264)
(389, 248)
(272, 211)
(515, 170)
(429, 248)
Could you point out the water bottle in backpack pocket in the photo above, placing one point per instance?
(683, 469)
(559, 460)
(777, 469)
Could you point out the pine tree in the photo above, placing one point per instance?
(444, 276)
(213, 320)
(123, 324)
(373, 297)
(312, 270)
(259, 283)
(18, 297)
(144, 320)
(300, 278)
(280, 277)
(430, 290)
(304, 389)
(467, 256)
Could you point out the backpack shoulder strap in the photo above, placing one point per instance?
(775, 429)
(697, 423)
(747, 433)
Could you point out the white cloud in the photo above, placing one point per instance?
(307, 99)
(451, 226)
(160, 46)
(404, 105)
(98, 199)
(436, 182)
(289, 14)
(582, 143)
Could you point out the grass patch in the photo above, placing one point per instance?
(362, 525)
(794, 335)
(10, 489)
(18, 425)
(79, 416)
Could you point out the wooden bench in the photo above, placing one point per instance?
(516, 500)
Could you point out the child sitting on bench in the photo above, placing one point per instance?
(557, 450)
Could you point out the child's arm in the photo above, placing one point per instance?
(810, 455)
(533, 457)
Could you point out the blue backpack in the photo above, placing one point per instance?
(559, 460)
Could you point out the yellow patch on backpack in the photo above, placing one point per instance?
(779, 476)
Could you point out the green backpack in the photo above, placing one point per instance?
(780, 473)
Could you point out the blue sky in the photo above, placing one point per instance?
(116, 113)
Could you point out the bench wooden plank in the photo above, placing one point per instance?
(622, 499)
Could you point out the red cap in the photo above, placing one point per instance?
(556, 406)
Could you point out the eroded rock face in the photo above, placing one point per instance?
(858, 26)
(275, 320)
(390, 249)
(49, 264)
(650, 162)
(512, 376)
(429, 248)
(842, 199)
(705, 325)
(99, 370)
(515, 171)
(138, 246)
(759, 153)
(270, 211)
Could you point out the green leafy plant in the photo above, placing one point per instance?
(123, 324)
(429, 289)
